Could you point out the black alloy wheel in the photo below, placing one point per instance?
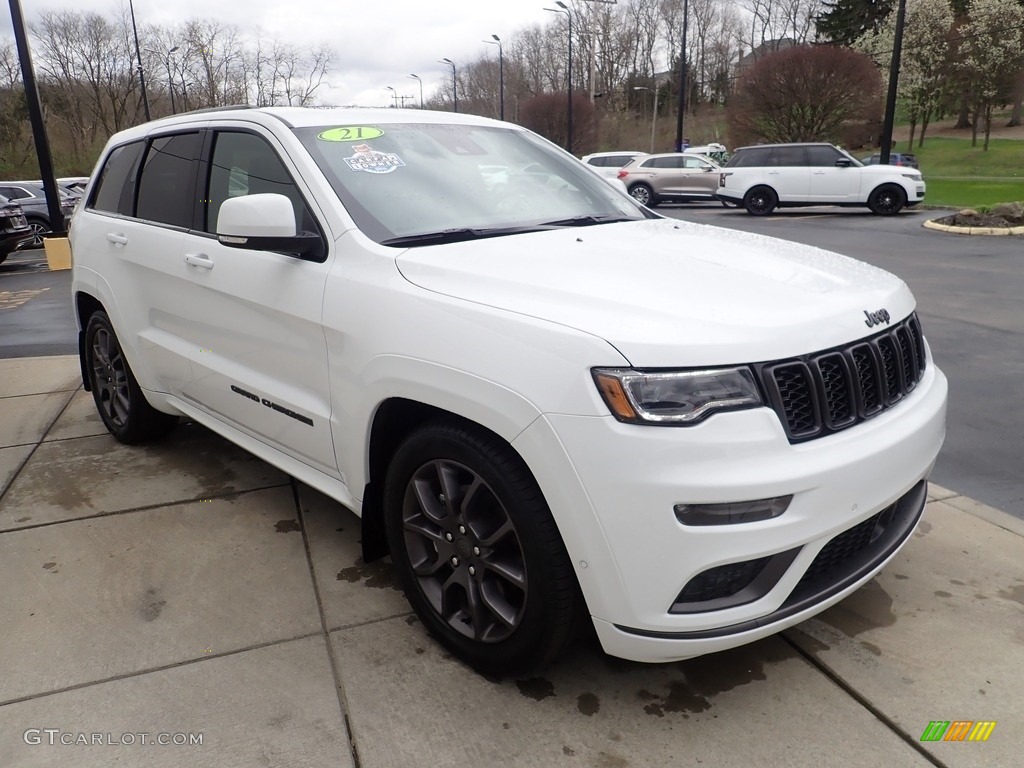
(476, 549)
(760, 201)
(119, 399)
(887, 200)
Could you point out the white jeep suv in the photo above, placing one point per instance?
(763, 177)
(545, 401)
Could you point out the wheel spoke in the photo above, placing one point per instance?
(498, 606)
(505, 529)
(513, 573)
(428, 503)
(447, 478)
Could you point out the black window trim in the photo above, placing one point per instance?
(205, 167)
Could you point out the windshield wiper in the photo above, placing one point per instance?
(457, 235)
(586, 221)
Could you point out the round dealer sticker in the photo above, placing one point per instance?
(351, 133)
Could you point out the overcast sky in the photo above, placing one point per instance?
(376, 42)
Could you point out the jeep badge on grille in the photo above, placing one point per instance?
(876, 318)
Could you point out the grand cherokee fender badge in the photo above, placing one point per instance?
(272, 405)
(876, 318)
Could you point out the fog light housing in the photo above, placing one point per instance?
(732, 512)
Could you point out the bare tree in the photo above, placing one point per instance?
(804, 93)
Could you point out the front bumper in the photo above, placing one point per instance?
(613, 488)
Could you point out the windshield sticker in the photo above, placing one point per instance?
(372, 161)
(351, 133)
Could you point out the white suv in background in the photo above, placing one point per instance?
(607, 164)
(764, 177)
(545, 401)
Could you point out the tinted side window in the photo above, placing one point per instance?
(115, 191)
(245, 164)
(788, 157)
(750, 158)
(167, 184)
(822, 156)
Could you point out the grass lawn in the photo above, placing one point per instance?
(972, 193)
(963, 176)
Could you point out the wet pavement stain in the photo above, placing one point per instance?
(287, 526)
(605, 760)
(942, 593)
(536, 688)
(376, 575)
(924, 527)
(23, 519)
(808, 642)
(568, 751)
(411, 620)
(900, 576)
(871, 647)
(870, 607)
(588, 704)
(980, 596)
(152, 605)
(705, 678)
(48, 566)
(1014, 593)
(957, 582)
(506, 726)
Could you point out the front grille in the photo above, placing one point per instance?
(816, 395)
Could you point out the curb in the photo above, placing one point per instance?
(931, 224)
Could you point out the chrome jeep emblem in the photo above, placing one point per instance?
(876, 318)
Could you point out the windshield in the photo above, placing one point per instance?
(403, 181)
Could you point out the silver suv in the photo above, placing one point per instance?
(670, 177)
(763, 178)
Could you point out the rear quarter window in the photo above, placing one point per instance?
(168, 180)
(115, 190)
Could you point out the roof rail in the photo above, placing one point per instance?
(226, 108)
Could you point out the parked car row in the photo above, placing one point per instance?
(765, 177)
(25, 214)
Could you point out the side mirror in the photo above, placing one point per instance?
(707, 168)
(265, 222)
(843, 163)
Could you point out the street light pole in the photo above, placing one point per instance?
(455, 84)
(894, 76)
(138, 57)
(563, 8)
(682, 81)
(654, 116)
(420, 80)
(501, 74)
(170, 77)
(394, 95)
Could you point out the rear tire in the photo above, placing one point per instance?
(119, 399)
(887, 200)
(760, 201)
(476, 549)
(644, 195)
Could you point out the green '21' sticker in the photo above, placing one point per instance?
(351, 133)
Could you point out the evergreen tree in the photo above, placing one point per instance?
(844, 21)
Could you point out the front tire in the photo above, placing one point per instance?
(760, 201)
(476, 549)
(119, 399)
(887, 200)
(644, 195)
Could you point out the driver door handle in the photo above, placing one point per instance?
(199, 260)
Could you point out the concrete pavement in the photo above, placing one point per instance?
(191, 591)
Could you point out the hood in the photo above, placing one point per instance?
(670, 293)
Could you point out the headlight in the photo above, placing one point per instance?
(914, 176)
(675, 398)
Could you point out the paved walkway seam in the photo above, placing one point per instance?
(854, 694)
(18, 471)
(339, 686)
(162, 668)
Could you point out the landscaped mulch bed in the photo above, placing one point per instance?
(1005, 215)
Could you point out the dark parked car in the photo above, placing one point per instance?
(14, 229)
(32, 198)
(905, 159)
